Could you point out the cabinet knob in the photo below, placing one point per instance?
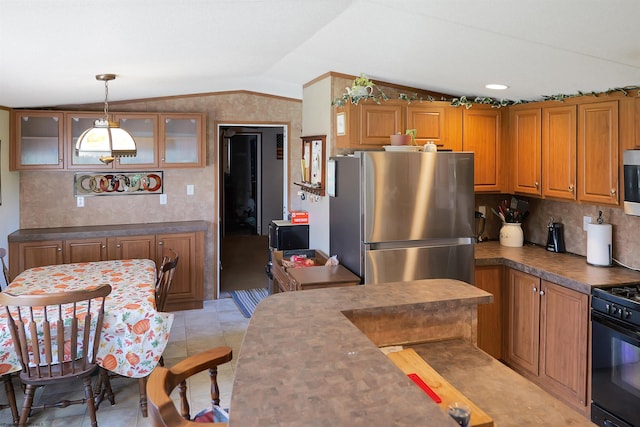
(613, 191)
(160, 243)
(59, 249)
(118, 245)
(536, 184)
(541, 293)
(535, 289)
(571, 188)
(104, 246)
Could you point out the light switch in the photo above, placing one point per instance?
(163, 199)
(189, 189)
(80, 201)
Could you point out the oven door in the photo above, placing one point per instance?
(615, 371)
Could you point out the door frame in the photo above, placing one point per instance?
(220, 161)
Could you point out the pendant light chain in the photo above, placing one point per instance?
(106, 100)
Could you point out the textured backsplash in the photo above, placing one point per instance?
(626, 228)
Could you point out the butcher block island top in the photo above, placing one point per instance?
(313, 358)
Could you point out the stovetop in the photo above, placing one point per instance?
(620, 302)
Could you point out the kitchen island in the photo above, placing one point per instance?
(312, 358)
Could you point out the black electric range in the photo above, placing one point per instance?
(620, 302)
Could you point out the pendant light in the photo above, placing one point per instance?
(106, 140)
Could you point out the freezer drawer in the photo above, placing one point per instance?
(422, 262)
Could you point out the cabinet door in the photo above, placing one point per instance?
(490, 316)
(76, 124)
(598, 152)
(182, 140)
(37, 140)
(380, 121)
(523, 321)
(187, 288)
(132, 247)
(525, 137)
(481, 134)
(35, 254)
(85, 250)
(559, 152)
(144, 130)
(564, 324)
(436, 122)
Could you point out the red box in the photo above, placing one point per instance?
(299, 217)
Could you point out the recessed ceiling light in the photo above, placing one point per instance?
(496, 86)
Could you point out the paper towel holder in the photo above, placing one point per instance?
(596, 256)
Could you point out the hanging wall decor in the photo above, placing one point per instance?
(127, 183)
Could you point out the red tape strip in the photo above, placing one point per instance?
(420, 383)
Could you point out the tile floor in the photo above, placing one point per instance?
(218, 323)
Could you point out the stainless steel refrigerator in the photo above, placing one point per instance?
(399, 216)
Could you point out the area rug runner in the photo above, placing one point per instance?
(247, 299)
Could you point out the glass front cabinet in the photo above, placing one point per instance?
(38, 140)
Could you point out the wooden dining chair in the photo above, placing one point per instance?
(165, 278)
(5, 270)
(7, 378)
(162, 409)
(56, 337)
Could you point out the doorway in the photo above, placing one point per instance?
(251, 193)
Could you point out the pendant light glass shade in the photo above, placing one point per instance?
(106, 140)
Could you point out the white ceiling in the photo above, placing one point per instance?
(51, 50)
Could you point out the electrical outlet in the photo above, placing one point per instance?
(586, 220)
(189, 189)
(163, 199)
(80, 201)
(483, 210)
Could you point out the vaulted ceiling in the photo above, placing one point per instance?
(50, 50)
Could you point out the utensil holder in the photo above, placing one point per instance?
(511, 234)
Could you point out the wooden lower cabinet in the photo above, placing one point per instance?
(187, 290)
(26, 255)
(85, 250)
(132, 247)
(548, 335)
(490, 316)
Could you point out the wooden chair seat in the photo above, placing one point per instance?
(162, 409)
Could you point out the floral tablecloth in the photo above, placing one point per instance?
(134, 334)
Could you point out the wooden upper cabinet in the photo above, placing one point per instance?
(436, 122)
(182, 140)
(144, 130)
(525, 137)
(43, 140)
(598, 153)
(37, 140)
(379, 121)
(481, 134)
(559, 152)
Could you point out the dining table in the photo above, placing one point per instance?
(134, 334)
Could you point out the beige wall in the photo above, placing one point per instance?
(47, 197)
(9, 186)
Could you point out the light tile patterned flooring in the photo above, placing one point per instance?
(218, 323)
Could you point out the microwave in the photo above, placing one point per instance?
(631, 161)
(284, 235)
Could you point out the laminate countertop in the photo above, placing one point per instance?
(312, 358)
(568, 270)
(88, 232)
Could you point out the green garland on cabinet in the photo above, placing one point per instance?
(467, 102)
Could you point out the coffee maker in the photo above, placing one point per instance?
(555, 236)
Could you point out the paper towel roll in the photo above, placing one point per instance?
(599, 244)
